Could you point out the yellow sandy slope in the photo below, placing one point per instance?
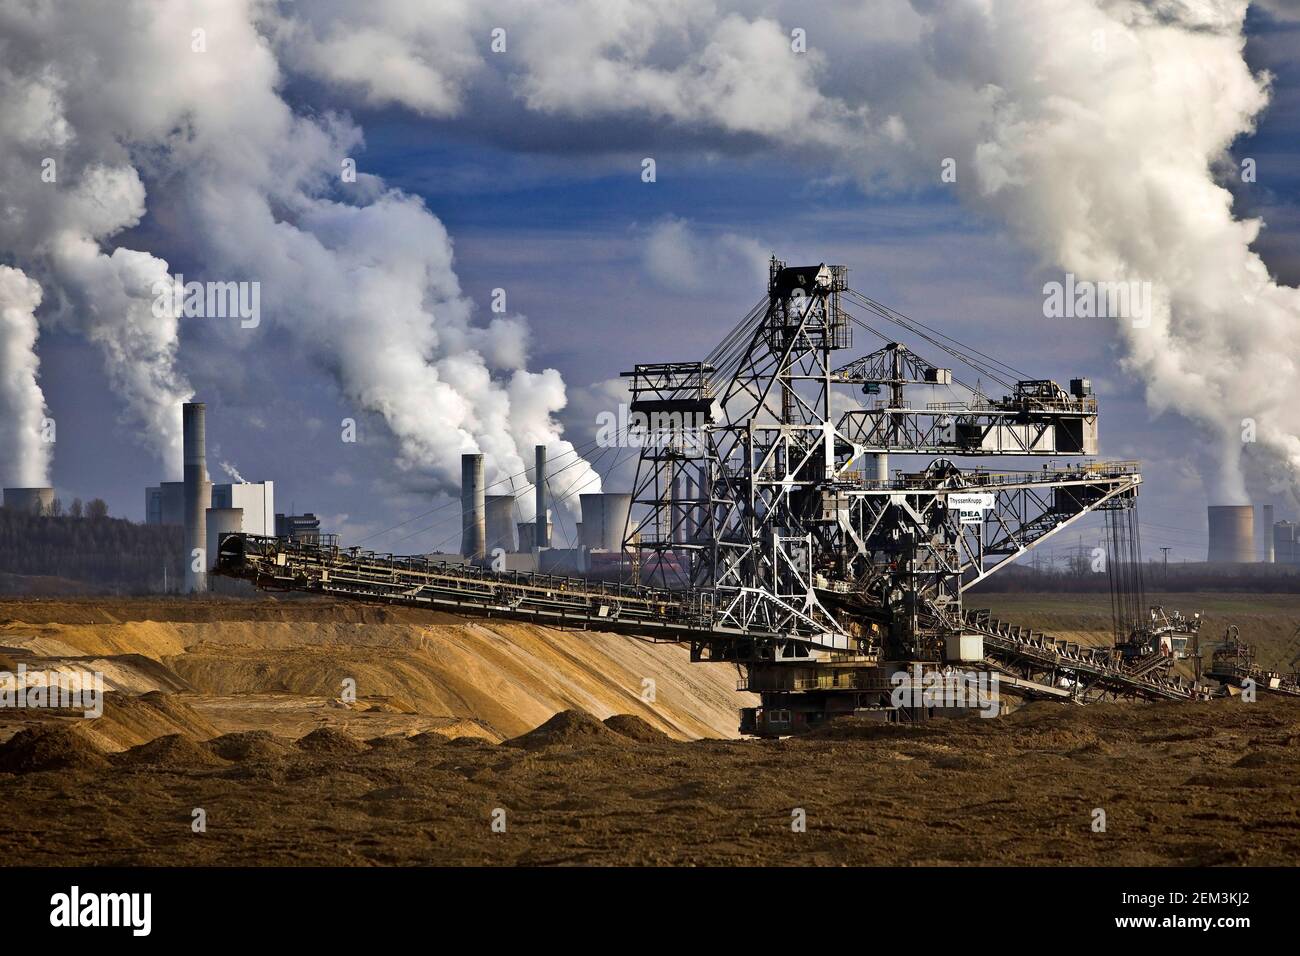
(505, 678)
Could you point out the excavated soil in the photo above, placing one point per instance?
(1203, 784)
(459, 727)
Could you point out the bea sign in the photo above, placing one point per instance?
(971, 506)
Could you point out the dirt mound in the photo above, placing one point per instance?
(129, 721)
(50, 748)
(637, 728)
(248, 745)
(330, 742)
(172, 752)
(389, 742)
(567, 727)
(428, 738)
(1270, 758)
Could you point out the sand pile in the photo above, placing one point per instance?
(129, 721)
(328, 742)
(248, 745)
(637, 728)
(507, 678)
(50, 748)
(172, 752)
(567, 727)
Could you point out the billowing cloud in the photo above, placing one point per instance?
(186, 96)
(678, 257)
(1093, 129)
(1097, 137)
(1097, 131)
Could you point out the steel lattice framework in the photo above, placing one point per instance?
(776, 493)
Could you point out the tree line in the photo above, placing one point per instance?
(88, 547)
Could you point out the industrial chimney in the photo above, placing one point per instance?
(198, 495)
(1232, 534)
(542, 536)
(473, 507)
(1266, 535)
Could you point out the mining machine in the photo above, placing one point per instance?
(769, 531)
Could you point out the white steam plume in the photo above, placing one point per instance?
(1097, 141)
(67, 187)
(22, 405)
(1092, 128)
(360, 275)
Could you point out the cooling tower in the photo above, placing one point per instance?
(527, 531)
(500, 522)
(473, 507)
(604, 518)
(1266, 534)
(542, 536)
(221, 521)
(32, 501)
(1232, 534)
(198, 495)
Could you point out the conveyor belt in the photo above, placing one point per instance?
(1091, 671)
(652, 613)
(1034, 659)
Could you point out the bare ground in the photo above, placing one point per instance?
(318, 783)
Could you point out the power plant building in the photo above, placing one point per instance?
(201, 507)
(165, 503)
(500, 523)
(604, 520)
(221, 521)
(304, 528)
(1284, 543)
(256, 501)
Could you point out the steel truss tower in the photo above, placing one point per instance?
(764, 477)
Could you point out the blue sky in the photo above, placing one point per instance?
(555, 212)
